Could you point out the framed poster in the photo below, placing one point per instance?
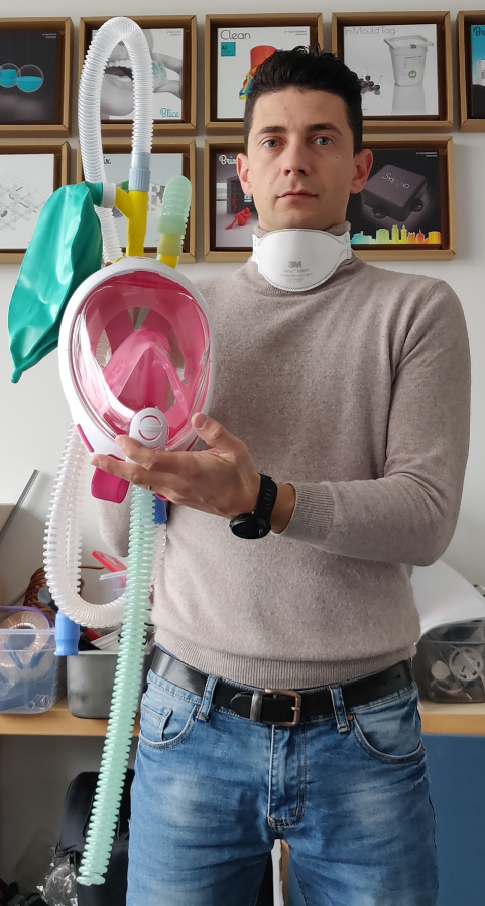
(172, 41)
(168, 158)
(35, 77)
(29, 174)
(229, 214)
(471, 60)
(406, 209)
(235, 46)
(403, 61)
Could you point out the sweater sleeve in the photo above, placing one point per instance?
(409, 515)
(114, 523)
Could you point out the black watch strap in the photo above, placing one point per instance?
(257, 524)
(266, 497)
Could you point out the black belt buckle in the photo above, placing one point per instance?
(257, 701)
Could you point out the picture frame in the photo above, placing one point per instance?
(470, 30)
(29, 173)
(117, 170)
(175, 93)
(431, 181)
(410, 82)
(220, 203)
(410, 197)
(36, 77)
(230, 60)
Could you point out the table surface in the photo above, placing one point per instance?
(449, 719)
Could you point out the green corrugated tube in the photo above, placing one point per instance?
(124, 703)
(173, 219)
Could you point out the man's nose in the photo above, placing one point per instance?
(295, 160)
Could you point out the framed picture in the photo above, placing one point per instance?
(29, 174)
(235, 46)
(471, 61)
(404, 64)
(168, 158)
(173, 46)
(35, 77)
(229, 214)
(406, 209)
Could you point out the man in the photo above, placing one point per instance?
(352, 392)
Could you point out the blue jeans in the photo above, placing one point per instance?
(213, 791)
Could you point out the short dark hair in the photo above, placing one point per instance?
(316, 70)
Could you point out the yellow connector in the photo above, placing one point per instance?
(169, 248)
(134, 205)
(169, 260)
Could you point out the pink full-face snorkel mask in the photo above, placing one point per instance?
(135, 357)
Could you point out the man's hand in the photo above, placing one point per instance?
(222, 480)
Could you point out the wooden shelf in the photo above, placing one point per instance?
(453, 720)
(467, 720)
(57, 722)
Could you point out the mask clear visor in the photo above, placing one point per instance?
(141, 340)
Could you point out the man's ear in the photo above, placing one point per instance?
(243, 173)
(363, 164)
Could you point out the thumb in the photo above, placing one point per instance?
(214, 434)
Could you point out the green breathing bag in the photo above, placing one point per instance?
(65, 249)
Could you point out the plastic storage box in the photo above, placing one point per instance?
(115, 583)
(449, 663)
(90, 680)
(32, 677)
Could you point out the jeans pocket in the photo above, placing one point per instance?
(165, 719)
(390, 731)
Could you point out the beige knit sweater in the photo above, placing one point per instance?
(357, 393)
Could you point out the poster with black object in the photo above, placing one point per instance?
(400, 204)
(236, 215)
(30, 88)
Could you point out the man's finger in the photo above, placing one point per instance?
(146, 457)
(114, 466)
(215, 435)
(131, 472)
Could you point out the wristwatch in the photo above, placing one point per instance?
(257, 524)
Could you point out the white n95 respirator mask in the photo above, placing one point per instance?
(299, 260)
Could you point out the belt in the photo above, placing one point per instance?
(283, 707)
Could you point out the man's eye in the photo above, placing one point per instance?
(324, 139)
(271, 142)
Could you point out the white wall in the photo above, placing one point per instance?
(35, 417)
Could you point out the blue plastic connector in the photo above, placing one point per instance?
(67, 634)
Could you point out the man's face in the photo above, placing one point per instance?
(300, 166)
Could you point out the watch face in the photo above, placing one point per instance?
(249, 526)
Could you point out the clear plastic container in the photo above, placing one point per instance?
(449, 663)
(114, 582)
(32, 677)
